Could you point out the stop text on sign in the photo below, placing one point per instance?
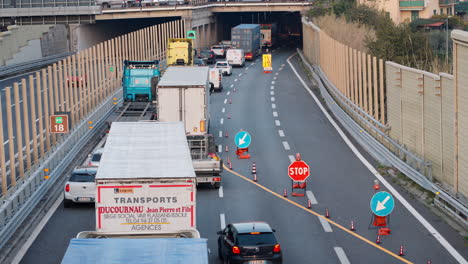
(298, 171)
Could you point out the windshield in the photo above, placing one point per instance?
(82, 177)
(253, 240)
(96, 157)
(221, 65)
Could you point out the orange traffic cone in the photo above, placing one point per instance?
(254, 169)
(285, 193)
(230, 101)
(377, 241)
(402, 251)
(255, 177)
(327, 213)
(227, 148)
(352, 228)
(230, 165)
(228, 116)
(226, 134)
(234, 90)
(228, 160)
(309, 204)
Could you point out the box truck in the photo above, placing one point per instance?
(145, 183)
(247, 37)
(183, 95)
(268, 34)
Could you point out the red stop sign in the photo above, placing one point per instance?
(298, 171)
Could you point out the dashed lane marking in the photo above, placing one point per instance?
(222, 219)
(341, 255)
(273, 106)
(272, 99)
(220, 148)
(272, 92)
(281, 133)
(344, 229)
(277, 73)
(221, 193)
(272, 87)
(272, 82)
(228, 93)
(286, 145)
(291, 158)
(275, 114)
(326, 226)
(235, 80)
(232, 85)
(225, 101)
(311, 197)
(223, 110)
(221, 121)
(274, 78)
(277, 123)
(220, 133)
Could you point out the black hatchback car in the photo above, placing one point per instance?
(207, 55)
(248, 241)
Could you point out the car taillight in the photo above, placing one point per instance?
(277, 248)
(217, 179)
(67, 188)
(211, 55)
(235, 250)
(89, 163)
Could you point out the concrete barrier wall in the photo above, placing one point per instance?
(424, 113)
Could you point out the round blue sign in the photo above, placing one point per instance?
(382, 203)
(242, 139)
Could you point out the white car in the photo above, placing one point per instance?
(218, 50)
(80, 187)
(95, 158)
(224, 66)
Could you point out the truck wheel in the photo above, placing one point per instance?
(217, 185)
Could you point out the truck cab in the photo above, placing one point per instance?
(139, 80)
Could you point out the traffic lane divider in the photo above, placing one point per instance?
(322, 217)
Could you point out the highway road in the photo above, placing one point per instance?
(284, 119)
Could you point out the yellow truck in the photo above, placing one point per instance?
(180, 52)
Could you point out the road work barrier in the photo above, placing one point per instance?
(403, 117)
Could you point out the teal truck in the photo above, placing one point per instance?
(139, 80)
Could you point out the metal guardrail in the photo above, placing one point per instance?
(10, 70)
(374, 147)
(20, 204)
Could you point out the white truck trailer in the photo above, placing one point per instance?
(145, 183)
(183, 95)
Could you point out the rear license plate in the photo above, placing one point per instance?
(204, 179)
(84, 199)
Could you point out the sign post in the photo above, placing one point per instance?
(266, 61)
(59, 124)
(298, 171)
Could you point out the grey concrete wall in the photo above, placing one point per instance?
(32, 51)
(55, 41)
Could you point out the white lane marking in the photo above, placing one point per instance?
(291, 158)
(232, 85)
(326, 226)
(311, 197)
(272, 92)
(282, 65)
(222, 219)
(366, 163)
(246, 68)
(220, 148)
(37, 120)
(37, 231)
(221, 193)
(223, 110)
(6, 142)
(277, 73)
(273, 106)
(341, 255)
(272, 87)
(240, 74)
(228, 93)
(280, 69)
(272, 82)
(220, 133)
(281, 133)
(235, 80)
(274, 78)
(221, 121)
(272, 99)
(286, 145)
(253, 63)
(225, 101)
(277, 123)
(275, 114)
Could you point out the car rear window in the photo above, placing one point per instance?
(217, 47)
(221, 64)
(96, 157)
(82, 177)
(253, 240)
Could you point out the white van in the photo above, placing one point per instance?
(215, 80)
(235, 57)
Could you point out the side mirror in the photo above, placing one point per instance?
(219, 232)
(274, 230)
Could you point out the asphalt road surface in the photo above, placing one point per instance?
(283, 119)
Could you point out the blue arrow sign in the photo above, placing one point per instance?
(382, 203)
(242, 139)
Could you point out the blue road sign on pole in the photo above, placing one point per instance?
(242, 139)
(382, 203)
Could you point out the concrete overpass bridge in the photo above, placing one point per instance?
(22, 12)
